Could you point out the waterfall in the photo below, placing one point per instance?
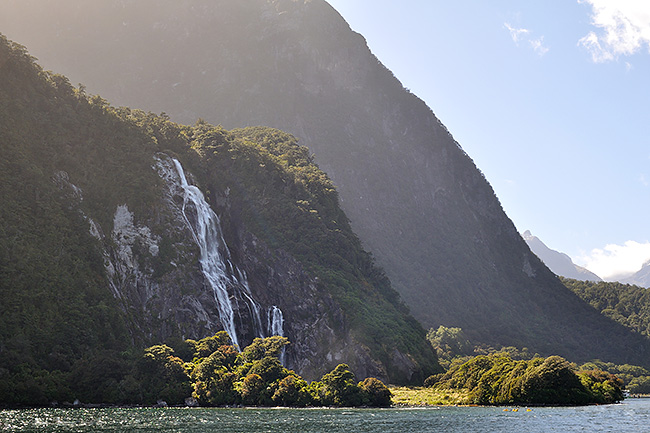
(229, 284)
(206, 231)
(253, 306)
(276, 322)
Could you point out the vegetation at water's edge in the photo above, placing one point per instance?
(211, 372)
(255, 377)
(497, 380)
(636, 379)
(413, 396)
(482, 375)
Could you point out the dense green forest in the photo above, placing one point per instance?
(57, 320)
(454, 348)
(515, 376)
(625, 303)
(60, 326)
(497, 379)
(212, 372)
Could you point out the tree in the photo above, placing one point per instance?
(553, 381)
(252, 390)
(214, 385)
(207, 346)
(375, 393)
(163, 375)
(340, 388)
(449, 342)
(269, 369)
(604, 387)
(264, 347)
(292, 391)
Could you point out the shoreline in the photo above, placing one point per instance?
(404, 396)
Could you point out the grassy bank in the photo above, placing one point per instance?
(420, 396)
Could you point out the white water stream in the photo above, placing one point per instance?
(276, 326)
(206, 230)
(276, 321)
(219, 271)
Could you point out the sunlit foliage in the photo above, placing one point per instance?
(497, 379)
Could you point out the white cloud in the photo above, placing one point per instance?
(623, 28)
(522, 34)
(516, 34)
(644, 180)
(616, 261)
(538, 46)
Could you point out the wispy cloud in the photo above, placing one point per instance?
(623, 28)
(516, 34)
(616, 261)
(538, 46)
(521, 34)
(644, 180)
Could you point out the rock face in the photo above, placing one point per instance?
(559, 263)
(415, 198)
(153, 268)
(171, 296)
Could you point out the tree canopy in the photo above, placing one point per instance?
(497, 379)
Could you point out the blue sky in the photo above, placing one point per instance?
(550, 99)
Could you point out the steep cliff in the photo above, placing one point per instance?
(414, 197)
(121, 229)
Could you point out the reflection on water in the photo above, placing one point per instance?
(631, 416)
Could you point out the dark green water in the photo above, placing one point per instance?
(630, 416)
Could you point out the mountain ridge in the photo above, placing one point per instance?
(560, 263)
(414, 197)
(641, 277)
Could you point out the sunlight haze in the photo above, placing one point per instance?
(550, 101)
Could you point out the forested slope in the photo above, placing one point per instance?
(627, 304)
(98, 258)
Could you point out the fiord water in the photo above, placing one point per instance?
(631, 416)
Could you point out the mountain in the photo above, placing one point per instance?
(641, 277)
(560, 263)
(120, 229)
(414, 197)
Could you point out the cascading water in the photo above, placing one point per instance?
(253, 306)
(229, 284)
(206, 231)
(276, 323)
